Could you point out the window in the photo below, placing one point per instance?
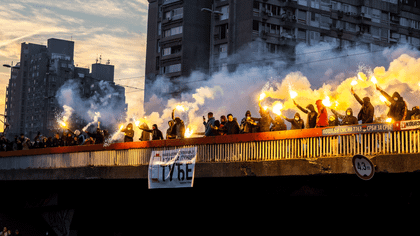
(178, 13)
(301, 34)
(159, 28)
(225, 11)
(223, 51)
(224, 30)
(174, 68)
(255, 25)
(301, 16)
(172, 31)
(166, 51)
(374, 31)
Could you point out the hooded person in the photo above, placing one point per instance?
(128, 133)
(414, 114)
(398, 107)
(156, 133)
(312, 114)
(265, 120)
(247, 123)
(367, 111)
(178, 129)
(348, 119)
(322, 118)
(145, 134)
(297, 122)
(169, 130)
(278, 124)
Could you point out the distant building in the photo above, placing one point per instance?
(180, 32)
(31, 103)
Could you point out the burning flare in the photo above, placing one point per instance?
(389, 120)
(180, 108)
(63, 124)
(373, 79)
(262, 96)
(188, 132)
(277, 108)
(121, 126)
(353, 83)
(293, 94)
(383, 99)
(327, 102)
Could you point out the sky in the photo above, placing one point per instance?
(114, 29)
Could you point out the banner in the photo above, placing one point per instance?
(357, 129)
(172, 168)
(409, 124)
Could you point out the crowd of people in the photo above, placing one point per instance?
(317, 116)
(8, 232)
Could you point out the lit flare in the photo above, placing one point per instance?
(181, 108)
(389, 120)
(353, 83)
(277, 108)
(327, 102)
(188, 132)
(374, 80)
(262, 96)
(293, 94)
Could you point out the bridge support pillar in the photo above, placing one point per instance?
(59, 221)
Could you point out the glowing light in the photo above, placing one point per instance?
(188, 132)
(327, 102)
(336, 104)
(181, 108)
(373, 79)
(383, 99)
(293, 94)
(265, 108)
(389, 120)
(353, 83)
(359, 76)
(277, 108)
(121, 127)
(137, 122)
(63, 124)
(262, 96)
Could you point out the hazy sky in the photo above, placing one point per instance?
(115, 29)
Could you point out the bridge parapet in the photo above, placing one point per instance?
(307, 144)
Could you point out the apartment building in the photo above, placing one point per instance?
(276, 25)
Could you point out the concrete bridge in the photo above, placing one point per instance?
(76, 190)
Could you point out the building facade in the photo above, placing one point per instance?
(177, 40)
(31, 103)
(277, 25)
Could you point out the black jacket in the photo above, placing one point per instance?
(398, 108)
(312, 115)
(296, 124)
(347, 119)
(231, 127)
(367, 111)
(278, 124)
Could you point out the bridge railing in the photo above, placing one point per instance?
(372, 139)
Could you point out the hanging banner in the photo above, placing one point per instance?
(356, 129)
(408, 124)
(172, 168)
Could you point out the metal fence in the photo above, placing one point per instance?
(395, 142)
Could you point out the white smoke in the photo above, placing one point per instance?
(318, 71)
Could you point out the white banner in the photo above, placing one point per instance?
(172, 168)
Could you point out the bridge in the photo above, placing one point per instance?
(64, 182)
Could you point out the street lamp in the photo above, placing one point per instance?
(212, 12)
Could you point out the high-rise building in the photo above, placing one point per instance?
(31, 103)
(276, 26)
(177, 40)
